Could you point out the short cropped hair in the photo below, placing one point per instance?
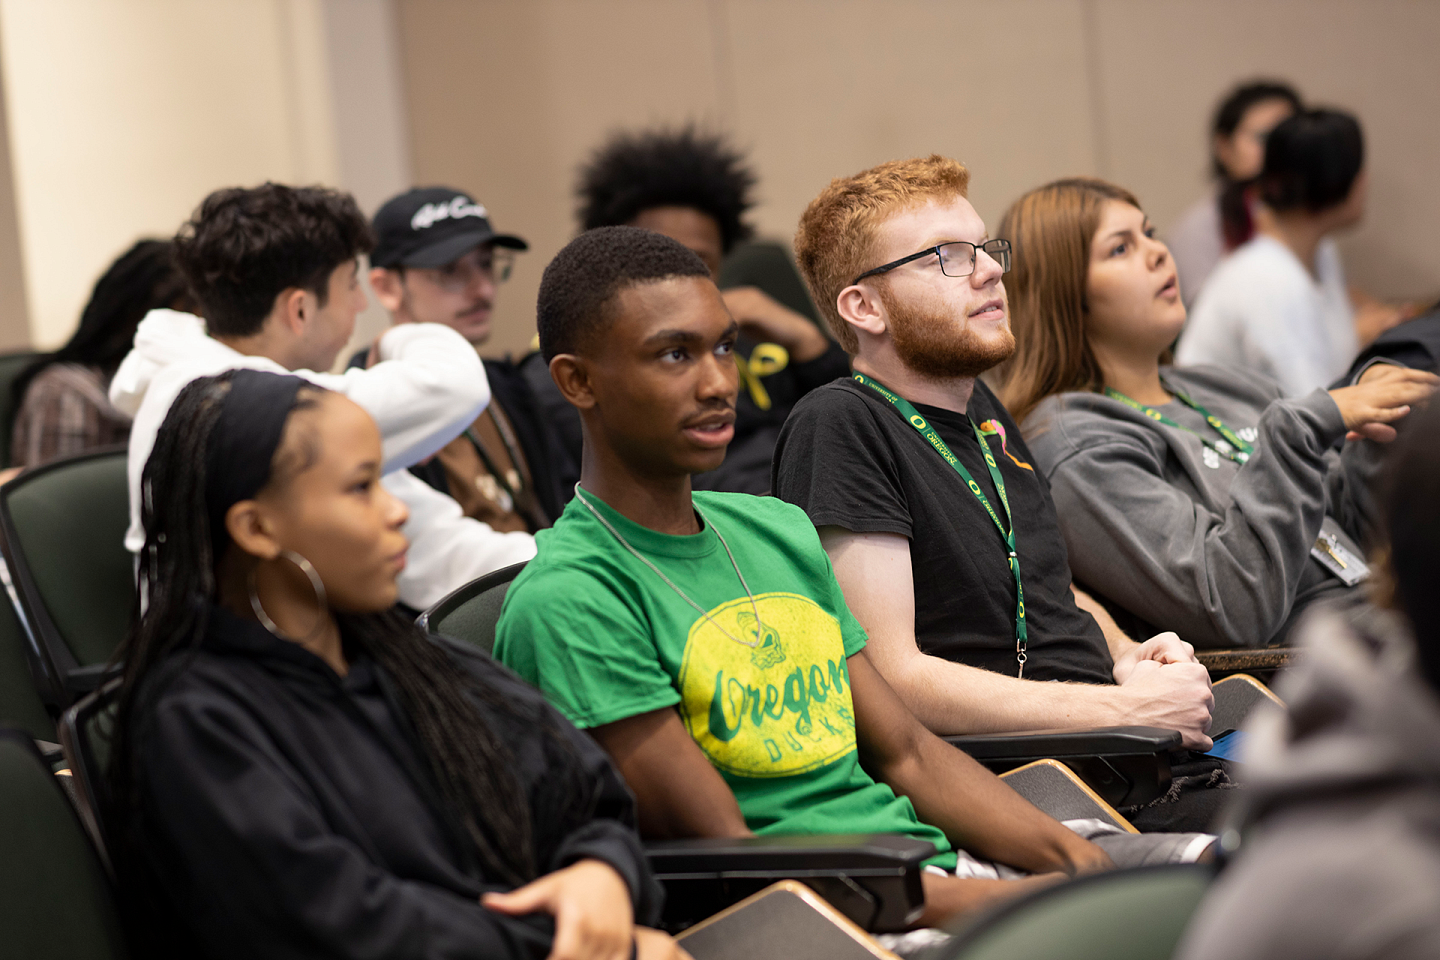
(579, 287)
(1311, 161)
(835, 242)
(635, 172)
(244, 246)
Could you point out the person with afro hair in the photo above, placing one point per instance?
(696, 188)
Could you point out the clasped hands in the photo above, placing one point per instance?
(1171, 688)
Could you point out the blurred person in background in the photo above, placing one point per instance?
(1341, 854)
(1225, 218)
(437, 259)
(1199, 498)
(696, 189)
(1280, 305)
(61, 398)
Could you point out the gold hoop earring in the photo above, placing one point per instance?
(316, 584)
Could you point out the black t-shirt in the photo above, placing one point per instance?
(848, 458)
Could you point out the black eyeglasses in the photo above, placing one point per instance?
(957, 258)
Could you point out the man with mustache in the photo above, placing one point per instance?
(700, 636)
(438, 260)
(942, 535)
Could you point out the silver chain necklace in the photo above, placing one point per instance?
(759, 625)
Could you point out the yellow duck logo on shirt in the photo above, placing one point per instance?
(752, 719)
(768, 650)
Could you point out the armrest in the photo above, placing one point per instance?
(1060, 744)
(1124, 765)
(81, 680)
(874, 879)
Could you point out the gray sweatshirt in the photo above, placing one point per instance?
(1341, 811)
(1189, 540)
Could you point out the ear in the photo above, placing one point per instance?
(572, 376)
(250, 528)
(389, 288)
(860, 307)
(292, 308)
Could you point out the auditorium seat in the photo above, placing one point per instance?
(20, 703)
(56, 902)
(64, 527)
(1137, 914)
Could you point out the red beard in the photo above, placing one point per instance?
(933, 345)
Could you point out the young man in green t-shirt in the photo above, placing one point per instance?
(702, 639)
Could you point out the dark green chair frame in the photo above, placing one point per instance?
(69, 665)
(85, 732)
(478, 601)
(58, 901)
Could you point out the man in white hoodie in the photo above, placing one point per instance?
(275, 271)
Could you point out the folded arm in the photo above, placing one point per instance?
(875, 574)
(427, 388)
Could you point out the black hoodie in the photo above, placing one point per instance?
(287, 812)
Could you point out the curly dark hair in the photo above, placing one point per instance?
(246, 245)
(635, 172)
(580, 284)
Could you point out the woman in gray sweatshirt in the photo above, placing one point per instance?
(1201, 500)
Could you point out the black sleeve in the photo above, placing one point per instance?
(243, 850)
(835, 462)
(833, 364)
(610, 836)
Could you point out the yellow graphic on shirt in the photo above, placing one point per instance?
(776, 704)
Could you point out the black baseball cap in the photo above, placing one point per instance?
(432, 227)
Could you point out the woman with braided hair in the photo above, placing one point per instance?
(300, 771)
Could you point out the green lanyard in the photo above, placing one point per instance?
(908, 411)
(1232, 447)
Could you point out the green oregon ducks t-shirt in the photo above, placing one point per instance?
(605, 638)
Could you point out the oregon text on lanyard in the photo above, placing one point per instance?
(908, 411)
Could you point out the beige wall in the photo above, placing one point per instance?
(122, 116)
(14, 312)
(505, 98)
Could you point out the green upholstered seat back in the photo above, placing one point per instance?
(474, 620)
(20, 704)
(11, 365)
(55, 900)
(70, 522)
(471, 613)
(1126, 915)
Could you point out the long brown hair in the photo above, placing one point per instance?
(1050, 230)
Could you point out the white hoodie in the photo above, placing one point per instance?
(428, 387)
